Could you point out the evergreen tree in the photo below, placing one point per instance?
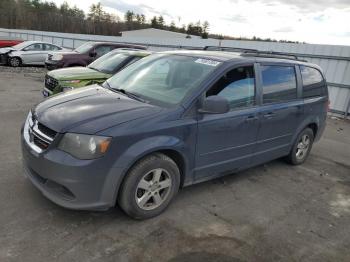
(154, 22)
(161, 22)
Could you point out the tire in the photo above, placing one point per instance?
(301, 147)
(15, 61)
(141, 196)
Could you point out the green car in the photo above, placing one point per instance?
(100, 70)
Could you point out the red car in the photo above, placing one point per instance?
(8, 41)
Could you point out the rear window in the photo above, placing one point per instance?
(279, 83)
(313, 82)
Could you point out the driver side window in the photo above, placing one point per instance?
(34, 47)
(101, 50)
(237, 86)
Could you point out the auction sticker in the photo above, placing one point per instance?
(207, 62)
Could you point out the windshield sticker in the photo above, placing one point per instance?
(207, 62)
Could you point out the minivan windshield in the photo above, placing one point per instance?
(84, 48)
(109, 63)
(163, 79)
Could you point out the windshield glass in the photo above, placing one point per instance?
(21, 45)
(162, 78)
(109, 63)
(84, 48)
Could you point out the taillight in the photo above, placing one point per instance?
(328, 105)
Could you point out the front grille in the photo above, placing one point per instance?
(50, 82)
(40, 143)
(47, 131)
(37, 135)
(42, 135)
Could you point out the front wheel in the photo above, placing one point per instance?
(302, 147)
(149, 186)
(15, 62)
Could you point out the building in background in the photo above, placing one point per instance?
(157, 33)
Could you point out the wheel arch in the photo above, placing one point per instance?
(312, 123)
(314, 127)
(15, 56)
(169, 146)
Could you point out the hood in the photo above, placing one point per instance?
(89, 110)
(6, 50)
(64, 52)
(77, 73)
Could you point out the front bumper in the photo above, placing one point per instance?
(52, 65)
(69, 182)
(3, 59)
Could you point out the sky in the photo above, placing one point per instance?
(311, 21)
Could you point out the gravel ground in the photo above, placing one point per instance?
(273, 212)
(23, 70)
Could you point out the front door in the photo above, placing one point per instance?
(225, 142)
(34, 54)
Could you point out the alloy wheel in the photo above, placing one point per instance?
(153, 189)
(15, 62)
(303, 147)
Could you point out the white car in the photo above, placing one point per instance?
(28, 53)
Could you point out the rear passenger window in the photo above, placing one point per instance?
(279, 83)
(237, 86)
(313, 82)
(50, 47)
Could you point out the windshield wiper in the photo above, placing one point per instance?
(129, 94)
(93, 68)
(105, 84)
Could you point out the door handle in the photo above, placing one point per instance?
(270, 115)
(251, 118)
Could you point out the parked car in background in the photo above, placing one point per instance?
(27, 53)
(9, 41)
(100, 70)
(171, 120)
(84, 54)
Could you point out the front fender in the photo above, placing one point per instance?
(14, 54)
(135, 153)
(147, 146)
(73, 62)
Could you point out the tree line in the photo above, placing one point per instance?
(47, 16)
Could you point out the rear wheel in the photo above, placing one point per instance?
(149, 186)
(302, 147)
(15, 61)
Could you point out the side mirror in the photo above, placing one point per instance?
(92, 53)
(215, 105)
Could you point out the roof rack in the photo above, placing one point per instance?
(272, 54)
(255, 52)
(226, 48)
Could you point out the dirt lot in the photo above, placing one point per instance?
(274, 212)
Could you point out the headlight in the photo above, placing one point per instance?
(56, 57)
(84, 146)
(67, 82)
